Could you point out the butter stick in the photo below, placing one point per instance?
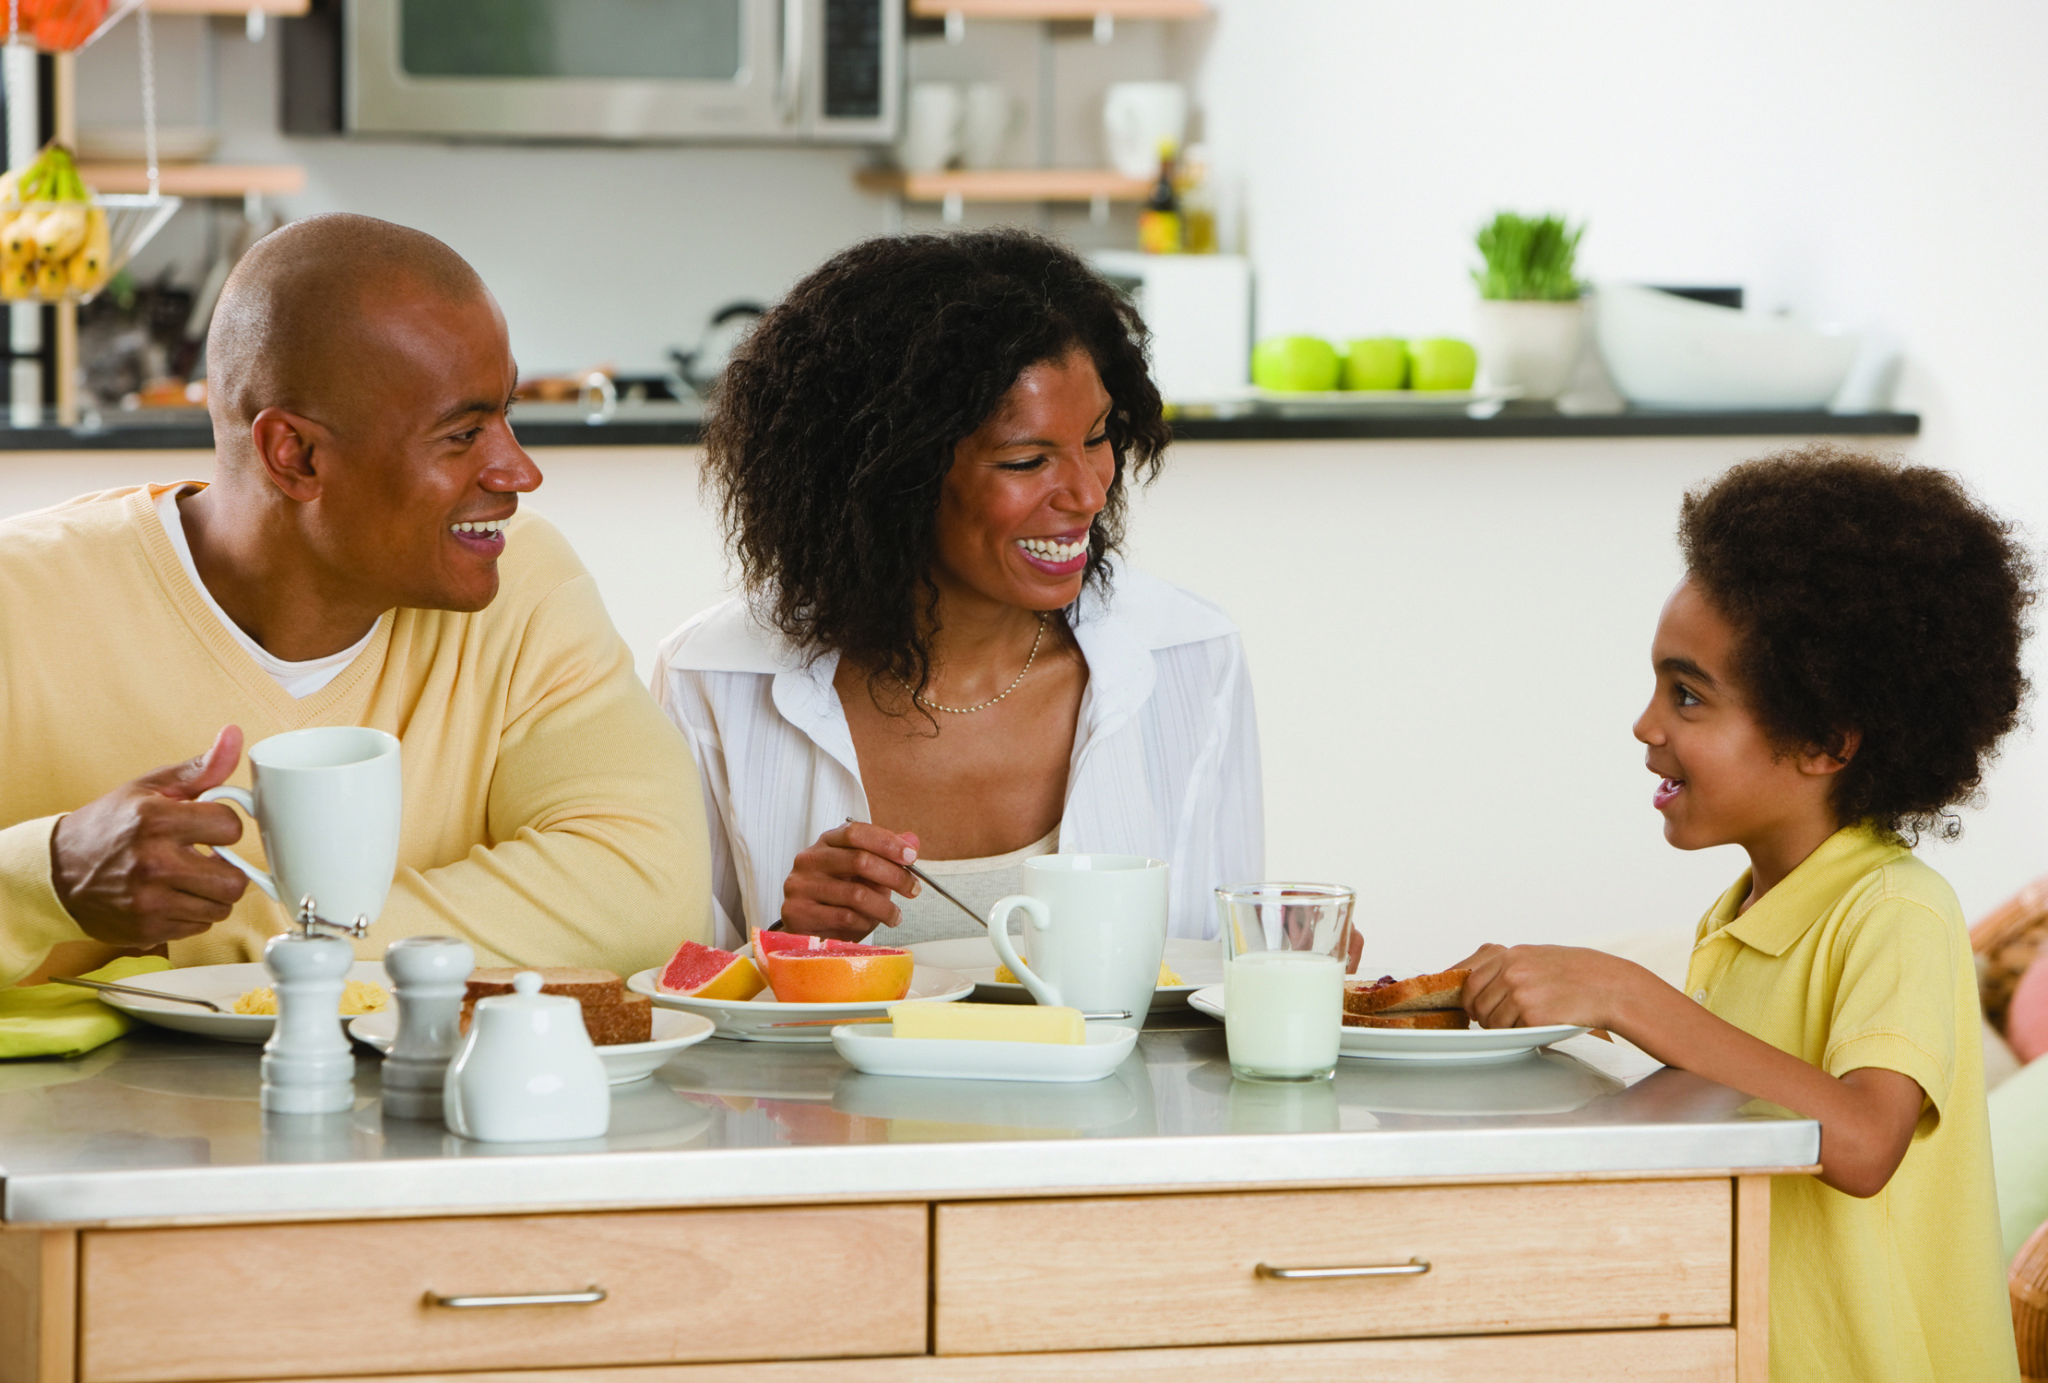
(989, 1023)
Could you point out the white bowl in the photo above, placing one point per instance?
(1664, 351)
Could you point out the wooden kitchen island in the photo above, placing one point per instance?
(766, 1213)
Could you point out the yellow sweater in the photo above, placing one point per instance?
(552, 814)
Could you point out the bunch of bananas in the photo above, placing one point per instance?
(53, 236)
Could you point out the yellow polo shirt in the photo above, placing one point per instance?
(1860, 958)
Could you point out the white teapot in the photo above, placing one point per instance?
(527, 1072)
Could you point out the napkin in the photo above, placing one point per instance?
(64, 1020)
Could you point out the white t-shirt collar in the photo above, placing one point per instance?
(299, 680)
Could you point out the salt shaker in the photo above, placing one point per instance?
(308, 1067)
(527, 1072)
(427, 975)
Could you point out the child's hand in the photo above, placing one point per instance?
(1532, 986)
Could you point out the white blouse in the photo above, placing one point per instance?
(1165, 760)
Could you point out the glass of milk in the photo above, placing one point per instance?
(1282, 1014)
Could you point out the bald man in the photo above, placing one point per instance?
(355, 560)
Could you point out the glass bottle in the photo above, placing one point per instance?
(1159, 222)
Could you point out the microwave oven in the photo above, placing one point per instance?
(827, 71)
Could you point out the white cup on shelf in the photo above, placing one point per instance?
(1139, 117)
(931, 126)
(989, 118)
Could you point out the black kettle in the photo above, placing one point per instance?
(698, 369)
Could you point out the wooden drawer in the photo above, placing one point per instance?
(284, 1301)
(1641, 1356)
(1016, 1276)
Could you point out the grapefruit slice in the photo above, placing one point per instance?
(703, 972)
(819, 970)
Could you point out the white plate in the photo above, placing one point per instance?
(1381, 400)
(174, 144)
(223, 984)
(751, 1020)
(875, 1050)
(624, 1062)
(1423, 1044)
(1198, 963)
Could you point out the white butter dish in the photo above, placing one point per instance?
(876, 1050)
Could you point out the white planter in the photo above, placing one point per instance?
(1531, 346)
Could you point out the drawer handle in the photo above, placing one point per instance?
(1414, 1267)
(585, 1297)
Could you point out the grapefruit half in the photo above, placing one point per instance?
(818, 970)
(703, 972)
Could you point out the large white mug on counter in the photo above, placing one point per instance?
(1138, 117)
(327, 803)
(1097, 930)
(931, 126)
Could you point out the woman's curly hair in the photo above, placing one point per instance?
(1873, 597)
(833, 427)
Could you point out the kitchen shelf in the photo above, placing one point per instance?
(197, 179)
(229, 7)
(1007, 185)
(1056, 9)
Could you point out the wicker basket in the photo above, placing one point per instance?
(2008, 939)
(2028, 1281)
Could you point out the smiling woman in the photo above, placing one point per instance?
(922, 456)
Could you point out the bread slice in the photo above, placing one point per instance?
(609, 1025)
(629, 1020)
(1429, 1018)
(584, 985)
(1422, 993)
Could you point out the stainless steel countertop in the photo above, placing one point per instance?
(163, 1126)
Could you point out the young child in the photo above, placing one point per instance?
(1832, 674)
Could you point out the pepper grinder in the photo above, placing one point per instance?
(427, 978)
(308, 1067)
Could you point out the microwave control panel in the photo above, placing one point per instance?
(853, 59)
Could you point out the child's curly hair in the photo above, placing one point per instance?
(1875, 597)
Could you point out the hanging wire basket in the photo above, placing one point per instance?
(55, 27)
(79, 275)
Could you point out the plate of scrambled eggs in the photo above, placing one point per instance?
(244, 992)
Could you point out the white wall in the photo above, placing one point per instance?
(1874, 162)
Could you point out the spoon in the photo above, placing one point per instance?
(138, 993)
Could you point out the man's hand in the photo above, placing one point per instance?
(124, 865)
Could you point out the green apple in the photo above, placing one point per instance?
(1442, 362)
(1295, 364)
(1376, 362)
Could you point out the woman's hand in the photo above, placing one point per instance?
(841, 885)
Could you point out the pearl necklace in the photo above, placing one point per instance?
(920, 698)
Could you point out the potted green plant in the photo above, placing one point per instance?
(1530, 321)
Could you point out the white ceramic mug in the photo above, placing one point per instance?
(989, 119)
(327, 803)
(931, 126)
(1138, 117)
(1098, 929)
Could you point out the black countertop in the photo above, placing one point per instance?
(668, 424)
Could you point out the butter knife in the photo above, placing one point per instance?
(138, 993)
(1105, 1015)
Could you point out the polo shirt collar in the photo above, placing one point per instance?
(1806, 895)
